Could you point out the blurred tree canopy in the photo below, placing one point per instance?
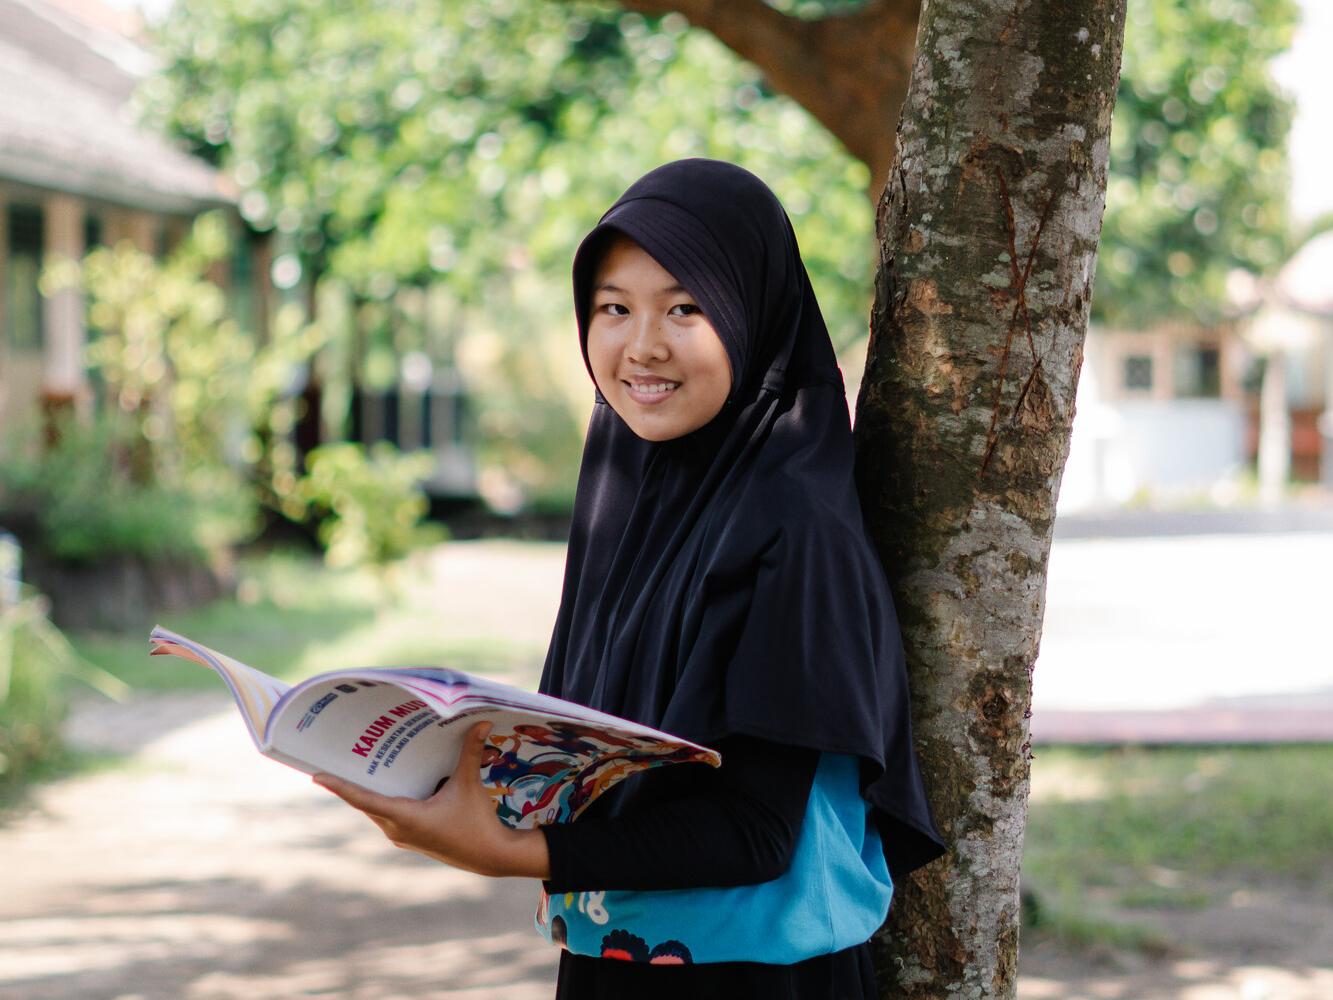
(1198, 177)
(463, 146)
(466, 146)
(1198, 161)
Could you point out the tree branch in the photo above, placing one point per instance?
(850, 71)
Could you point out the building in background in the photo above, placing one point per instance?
(1290, 323)
(1182, 412)
(1161, 414)
(75, 172)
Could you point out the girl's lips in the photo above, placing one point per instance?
(651, 398)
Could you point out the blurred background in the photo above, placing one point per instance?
(288, 363)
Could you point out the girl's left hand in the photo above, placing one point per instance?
(456, 825)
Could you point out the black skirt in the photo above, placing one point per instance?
(843, 975)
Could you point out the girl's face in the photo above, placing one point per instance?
(654, 355)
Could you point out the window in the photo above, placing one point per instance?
(92, 232)
(23, 322)
(1198, 371)
(1137, 372)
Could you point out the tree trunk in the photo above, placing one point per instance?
(988, 234)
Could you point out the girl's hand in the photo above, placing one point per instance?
(456, 825)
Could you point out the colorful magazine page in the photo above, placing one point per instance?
(549, 772)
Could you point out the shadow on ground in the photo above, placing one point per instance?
(200, 870)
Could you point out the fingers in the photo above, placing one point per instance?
(372, 803)
(469, 756)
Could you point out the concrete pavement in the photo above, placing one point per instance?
(1216, 636)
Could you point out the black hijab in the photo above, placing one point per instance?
(723, 583)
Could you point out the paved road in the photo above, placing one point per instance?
(1222, 636)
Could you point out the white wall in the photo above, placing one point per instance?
(1167, 448)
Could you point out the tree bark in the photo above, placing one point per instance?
(848, 70)
(988, 232)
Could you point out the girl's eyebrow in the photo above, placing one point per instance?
(606, 286)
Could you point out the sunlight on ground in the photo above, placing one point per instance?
(74, 944)
(1192, 980)
(1064, 781)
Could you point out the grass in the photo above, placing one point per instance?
(1173, 828)
(293, 617)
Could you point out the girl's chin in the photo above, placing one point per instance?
(651, 427)
(659, 420)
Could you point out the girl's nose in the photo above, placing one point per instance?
(647, 342)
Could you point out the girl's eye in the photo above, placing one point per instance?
(613, 309)
(686, 309)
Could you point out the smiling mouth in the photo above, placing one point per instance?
(653, 386)
(650, 392)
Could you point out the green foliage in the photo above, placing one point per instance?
(35, 663)
(295, 616)
(369, 504)
(31, 704)
(1198, 170)
(465, 147)
(85, 501)
(159, 472)
(194, 433)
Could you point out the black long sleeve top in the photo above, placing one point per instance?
(734, 825)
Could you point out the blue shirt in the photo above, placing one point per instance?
(834, 895)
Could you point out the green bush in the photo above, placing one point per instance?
(368, 502)
(86, 497)
(187, 435)
(31, 707)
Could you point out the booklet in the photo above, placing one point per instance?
(398, 730)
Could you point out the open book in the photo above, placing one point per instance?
(398, 731)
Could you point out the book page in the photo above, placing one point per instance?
(398, 731)
(388, 731)
(543, 769)
(455, 691)
(256, 693)
(367, 731)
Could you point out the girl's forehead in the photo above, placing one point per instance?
(624, 260)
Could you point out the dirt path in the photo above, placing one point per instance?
(200, 871)
(1257, 944)
(203, 871)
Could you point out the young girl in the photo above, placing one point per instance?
(720, 586)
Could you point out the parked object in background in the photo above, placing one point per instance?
(11, 570)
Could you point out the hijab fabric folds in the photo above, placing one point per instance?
(723, 583)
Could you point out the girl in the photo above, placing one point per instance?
(719, 585)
